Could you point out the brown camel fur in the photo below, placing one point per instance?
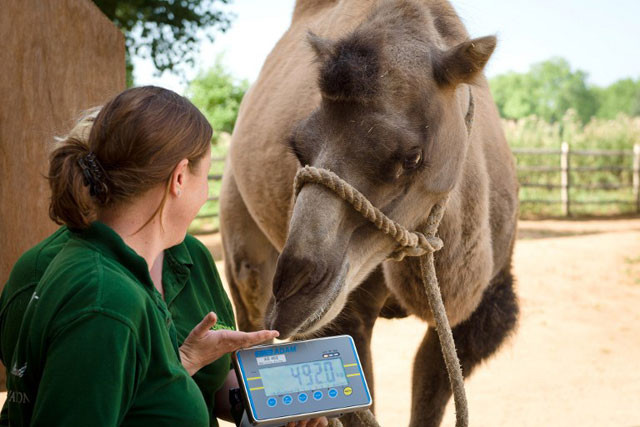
(377, 92)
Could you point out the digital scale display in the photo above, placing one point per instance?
(303, 377)
(298, 380)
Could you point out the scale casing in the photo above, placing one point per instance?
(301, 379)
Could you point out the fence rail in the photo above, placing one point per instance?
(566, 169)
(563, 167)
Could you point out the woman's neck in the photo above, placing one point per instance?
(149, 241)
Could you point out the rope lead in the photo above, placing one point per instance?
(410, 243)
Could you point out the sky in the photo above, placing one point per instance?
(596, 36)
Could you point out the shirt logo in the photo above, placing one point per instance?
(18, 372)
(17, 397)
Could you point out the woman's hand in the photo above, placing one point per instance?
(313, 422)
(204, 346)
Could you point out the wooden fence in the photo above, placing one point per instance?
(566, 170)
(564, 187)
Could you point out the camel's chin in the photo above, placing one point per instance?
(309, 322)
(329, 315)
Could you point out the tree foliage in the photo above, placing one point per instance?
(551, 88)
(218, 95)
(548, 90)
(622, 96)
(167, 31)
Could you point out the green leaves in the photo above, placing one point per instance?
(548, 90)
(551, 88)
(218, 95)
(622, 96)
(167, 31)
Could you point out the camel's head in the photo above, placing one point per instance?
(391, 123)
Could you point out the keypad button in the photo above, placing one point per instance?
(271, 402)
(347, 391)
(302, 397)
(317, 395)
(332, 393)
(287, 400)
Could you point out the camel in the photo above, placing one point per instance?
(377, 91)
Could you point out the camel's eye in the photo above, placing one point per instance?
(413, 160)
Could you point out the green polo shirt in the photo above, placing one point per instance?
(100, 302)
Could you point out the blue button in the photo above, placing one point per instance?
(332, 393)
(287, 400)
(302, 397)
(317, 395)
(271, 402)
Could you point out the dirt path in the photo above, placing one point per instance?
(576, 357)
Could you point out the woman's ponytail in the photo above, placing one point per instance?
(71, 200)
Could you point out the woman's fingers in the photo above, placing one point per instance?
(235, 340)
(254, 338)
(206, 324)
(318, 422)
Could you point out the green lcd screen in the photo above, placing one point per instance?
(303, 376)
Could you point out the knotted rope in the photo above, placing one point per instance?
(410, 243)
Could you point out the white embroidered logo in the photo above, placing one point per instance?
(18, 372)
(17, 397)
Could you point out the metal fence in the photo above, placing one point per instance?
(564, 166)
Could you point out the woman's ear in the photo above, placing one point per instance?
(178, 177)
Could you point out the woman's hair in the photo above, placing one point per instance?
(134, 144)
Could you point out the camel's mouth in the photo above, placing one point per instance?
(313, 322)
(285, 313)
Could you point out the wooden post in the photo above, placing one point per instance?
(57, 59)
(564, 179)
(636, 176)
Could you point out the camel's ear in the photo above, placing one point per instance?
(323, 48)
(464, 62)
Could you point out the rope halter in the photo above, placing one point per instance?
(410, 243)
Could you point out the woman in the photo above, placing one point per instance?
(99, 338)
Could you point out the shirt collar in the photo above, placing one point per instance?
(176, 271)
(110, 244)
(181, 254)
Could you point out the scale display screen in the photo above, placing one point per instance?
(298, 380)
(303, 376)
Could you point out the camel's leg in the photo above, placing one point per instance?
(476, 339)
(249, 258)
(357, 319)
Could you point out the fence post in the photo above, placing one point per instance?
(564, 179)
(636, 176)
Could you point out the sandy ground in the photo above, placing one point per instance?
(576, 357)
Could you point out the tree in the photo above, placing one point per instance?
(218, 95)
(622, 96)
(167, 31)
(548, 90)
